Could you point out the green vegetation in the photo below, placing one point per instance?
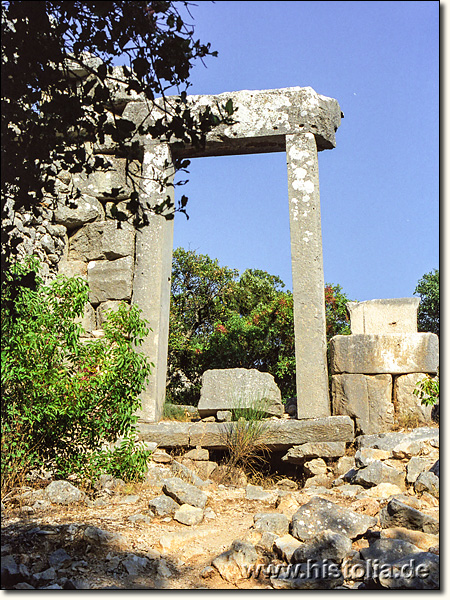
(427, 390)
(63, 397)
(220, 319)
(428, 314)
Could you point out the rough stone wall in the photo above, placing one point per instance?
(376, 369)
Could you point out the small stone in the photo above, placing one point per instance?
(365, 456)
(135, 564)
(198, 453)
(160, 456)
(285, 546)
(287, 484)
(95, 535)
(188, 515)
(273, 522)
(184, 493)
(326, 545)
(317, 466)
(415, 466)
(399, 514)
(378, 472)
(63, 492)
(207, 572)
(130, 499)
(224, 416)
(383, 490)
(163, 506)
(139, 518)
(162, 570)
(24, 586)
(388, 550)
(421, 540)
(427, 482)
(256, 492)
(344, 464)
(59, 558)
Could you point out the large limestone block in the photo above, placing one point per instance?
(82, 210)
(102, 240)
(391, 353)
(263, 119)
(277, 434)
(166, 435)
(110, 279)
(114, 183)
(396, 315)
(408, 404)
(365, 398)
(228, 389)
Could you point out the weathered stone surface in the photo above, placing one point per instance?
(234, 564)
(110, 279)
(427, 482)
(349, 490)
(316, 466)
(396, 315)
(161, 456)
(408, 404)
(344, 464)
(108, 184)
(201, 454)
(72, 268)
(318, 481)
(416, 466)
(285, 546)
(365, 456)
(188, 515)
(324, 576)
(298, 454)
(407, 449)
(388, 550)
(388, 441)
(423, 541)
(63, 492)
(265, 117)
(398, 514)
(166, 435)
(418, 571)
(171, 542)
(256, 492)
(95, 535)
(224, 415)
(327, 545)
(319, 515)
(81, 211)
(365, 398)
(203, 468)
(163, 506)
(157, 474)
(135, 564)
(378, 472)
(186, 474)
(102, 240)
(228, 389)
(59, 558)
(184, 493)
(395, 353)
(435, 468)
(383, 490)
(273, 522)
(307, 277)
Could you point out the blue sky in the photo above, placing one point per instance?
(379, 186)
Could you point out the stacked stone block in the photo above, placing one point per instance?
(376, 369)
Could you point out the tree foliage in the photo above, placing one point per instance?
(60, 81)
(429, 308)
(62, 396)
(220, 319)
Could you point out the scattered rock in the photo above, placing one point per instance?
(198, 453)
(224, 416)
(273, 522)
(365, 456)
(298, 454)
(388, 550)
(415, 572)
(421, 540)
(285, 546)
(183, 472)
(319, 515)
(161, 456)
(326, 545)
(323, 576)
(398, 514)
(139, 518)
(135, 564)
(344, 464)
(256, 492)
(184, 493)
(59, 558)
(317, 466)
(427, 482)
(287, 484)
(163, 506)
(188, 515)
(383, 490)
(95, 535)
(415, 466)
(235, 563)
(63, 492)
(378, 472)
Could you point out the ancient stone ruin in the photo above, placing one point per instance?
(372, 369)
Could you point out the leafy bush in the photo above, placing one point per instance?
(428, 313)
(64, 397)
(427, 390)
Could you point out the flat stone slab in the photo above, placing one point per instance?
(279, 434)
(394, 353)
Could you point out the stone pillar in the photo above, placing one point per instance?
(307, 277)
(152, 276)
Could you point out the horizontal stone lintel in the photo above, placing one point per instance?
(262, 120)
(279, 435)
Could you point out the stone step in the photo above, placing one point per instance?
(274, 434)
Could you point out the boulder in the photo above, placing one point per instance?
(418, 571)
(63, 492)
(399, 514)
(237, 562)
(423, 541)
(319, 515)
(163, 506)
(316, 466)
(427, 482)
(239, 389)
(285, 546)
(326, 545)
(365, 456)
(415, 466)
(378, 472)
(388, 441)
(184, 493)
(388, 550)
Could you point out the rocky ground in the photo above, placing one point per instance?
(182, 529)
